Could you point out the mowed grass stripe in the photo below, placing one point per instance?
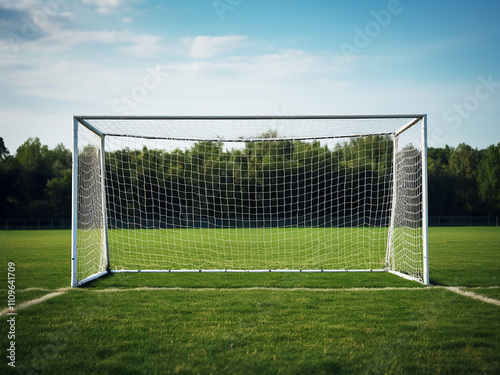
(59, 292)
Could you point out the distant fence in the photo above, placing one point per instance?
(464, 221)
(34, 224)
(434, 221)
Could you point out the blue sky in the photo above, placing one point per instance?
(59, 58)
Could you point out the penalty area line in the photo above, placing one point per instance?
(479, 297)
(32, 302)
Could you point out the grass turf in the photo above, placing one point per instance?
(467, 256)
(247, 248)
(238, 330)
(243, 331)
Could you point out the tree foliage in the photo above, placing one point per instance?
(258, 179)
(3, 150)
(489, 179)
(36, 182)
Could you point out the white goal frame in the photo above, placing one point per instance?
(91, 124)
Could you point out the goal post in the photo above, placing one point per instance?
(249, 194)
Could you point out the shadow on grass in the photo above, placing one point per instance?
(436, 282)
(95, 282)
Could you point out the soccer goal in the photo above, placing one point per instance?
(249, 194)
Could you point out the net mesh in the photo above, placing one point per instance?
(251, 194)
(407, 231)
(91, 228)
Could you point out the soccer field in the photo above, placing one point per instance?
(254, 323)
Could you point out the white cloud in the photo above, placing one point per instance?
(66, 80)
(108, 6)
(203, 47)
(258, 77)
(125, 42)
(46, 27)
(255, 84)
(29, 21)
(142, 45)
(288, 63)
(22, 5)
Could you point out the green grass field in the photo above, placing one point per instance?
(249, 248)
(255, 323)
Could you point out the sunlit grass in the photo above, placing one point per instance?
(248, 248)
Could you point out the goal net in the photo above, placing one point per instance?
(249, 194)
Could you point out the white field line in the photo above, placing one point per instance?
(288, 289)
(479, 297)
(61, 291)
(32, 302)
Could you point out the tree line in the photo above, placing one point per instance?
(464, 180)
(258, 179)
(35, 182)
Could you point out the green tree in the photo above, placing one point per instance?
(36, 182)
(10, 187)
(489, 179)
(59, 159)
(441, 155)
(443, 191)
(3, 150)
(33, 158)
(32, 154)
(58, 193)
(464, 164)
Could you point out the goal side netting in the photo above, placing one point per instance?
(249, 194)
